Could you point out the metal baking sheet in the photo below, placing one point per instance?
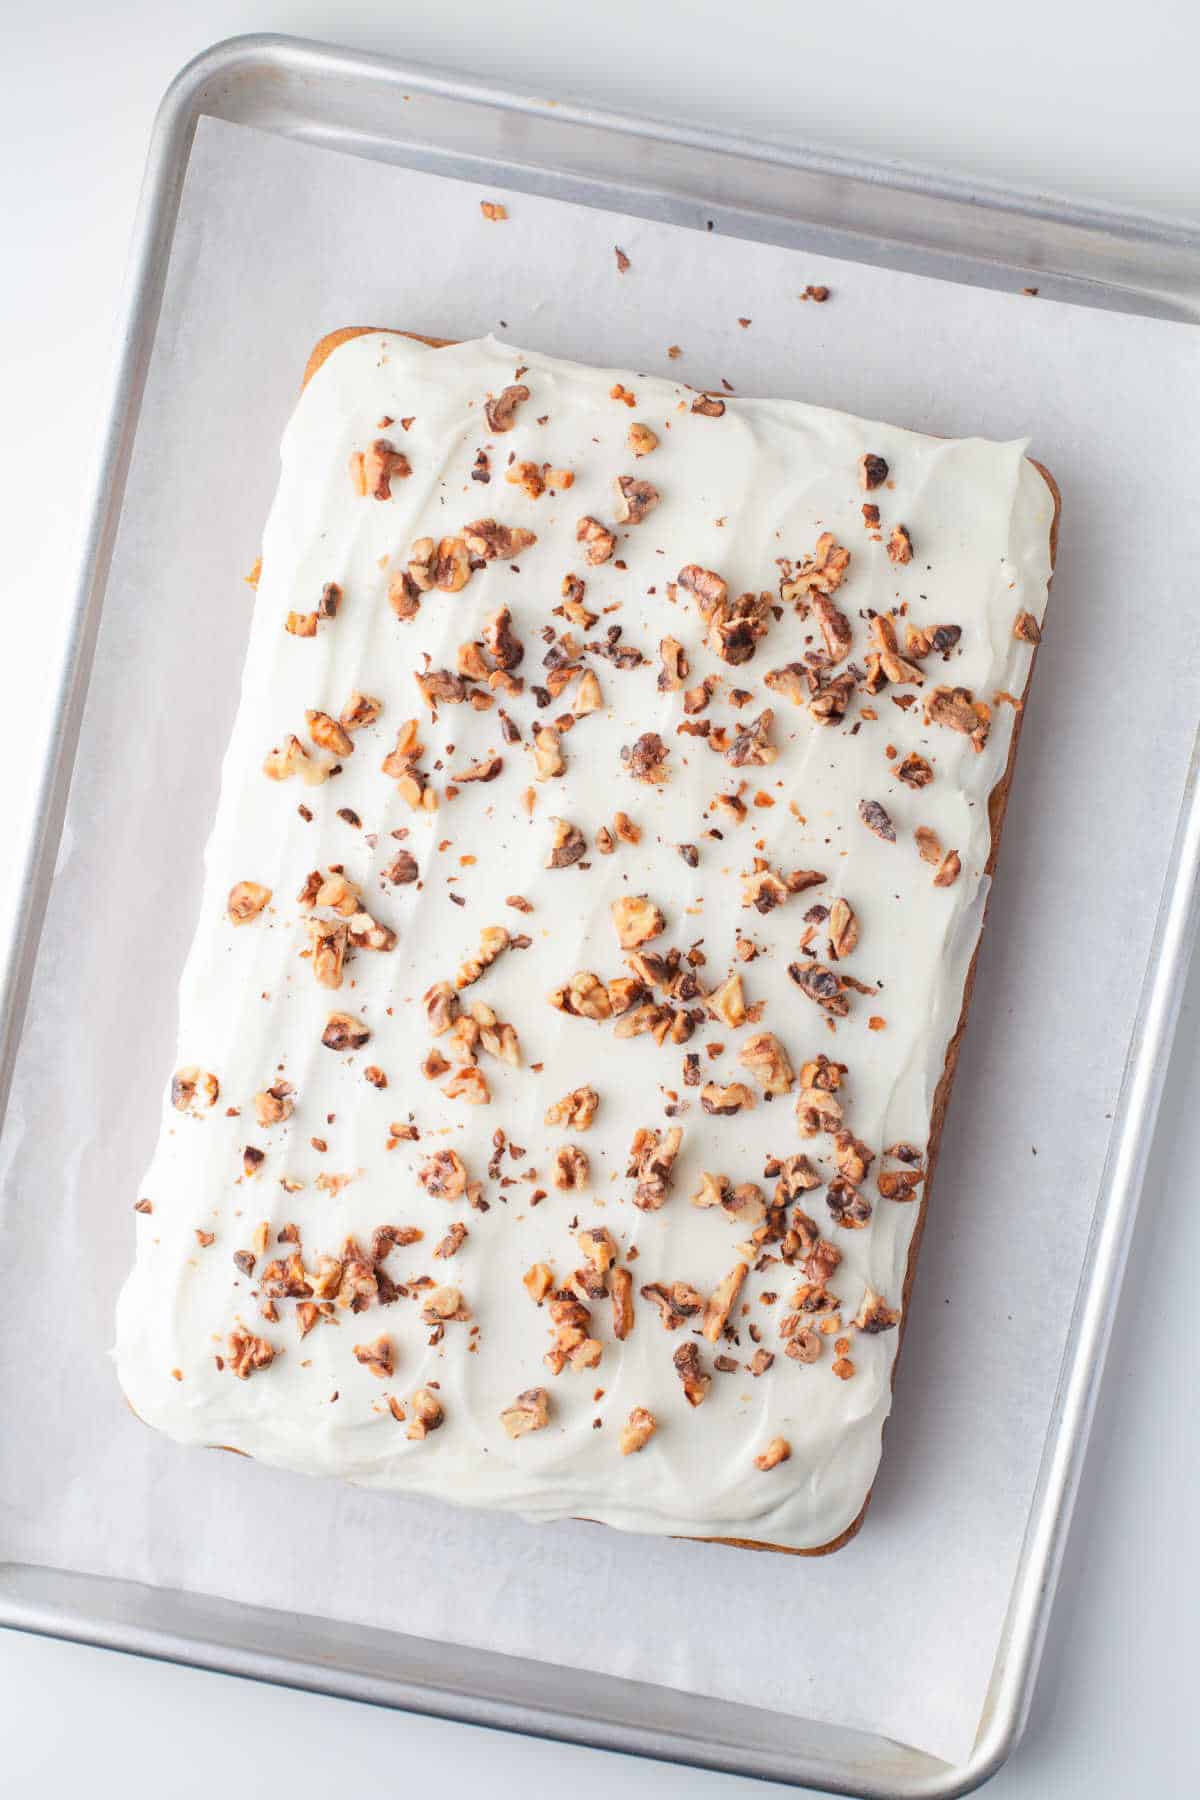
(354, 103)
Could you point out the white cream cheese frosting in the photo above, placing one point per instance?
(737, 494)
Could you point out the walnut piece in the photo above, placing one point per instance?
(1027, 629)
(344, 1032)
(246, 900)
(246, 1353)
(651, 1162)
(767, 1061)
(637, 1431)
(274, 1104)
(636, 920)
(721, 1301)
(958, 710)
(821, 573)
(194, 1089)
(724, 1101)
(875, 1315)
(674, 671)
(876, 818)
(634, 499)
(776, 1452)
(379, 1357)
(647, 761)
(569, 1168)
(575, 1110)
(426, 1414)
(641, 440)
(493, 941)
(872, 472)
(548, 759)
(597, 540)
(530, 1411)
(821, 985)
(372, 471)
(752, 747)
(695, 1382)
(621, 1289)
(899, 545)
(500, 411)
(567, 846)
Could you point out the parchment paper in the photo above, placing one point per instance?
(278, 243)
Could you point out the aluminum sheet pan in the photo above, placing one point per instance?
(874, 213)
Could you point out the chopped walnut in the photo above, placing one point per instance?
(929, 845)
(949, 870)
(500, 411)
(444, 1174)
(636, 920)
(599, 1246)
(588, 697)
(724, 1101)
(493, 211)
(379, 1357)
(872, 472)
(651, 1162)
(246, 900)
(585, 995)
(373, 471)
(674, 671)
(767, 1061)
(194, 1089)
(360, 711)
(493, 941)
(710, 406)
(957, 708)
(695, 1382)
(329, 938)
(752, 747)
(843, 929)
(822, 985)
(427, 1414)
(641, 440)
(445, 1305)
(452, 1243)
(835, 628)
(721, 1301)
(821, 573)
(776, 1452)
(469, 1084)
(538, 1281)
(634, 499)
(647, 761)
(575, 1110)
(327, 734)
(441, 1007)
(567, 845)
(528, 477)
(548, 759)
(1027, 629)
(899, 545)
(875, 1315)
(621, 1287)
(804, 1345)
(530, 1411)
(500, 640)
(876, 818)
(852, 1156)
(246, 1353)
(728, 1002)
(638, 1430)
(675, 1304)
(598, 542)
(274, 1104)
(914, 771)
(849, 1208)
(569, 1168)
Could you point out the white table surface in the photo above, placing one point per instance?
(1096, 102)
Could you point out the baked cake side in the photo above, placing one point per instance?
(590, 911)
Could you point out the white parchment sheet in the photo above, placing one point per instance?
(278, 243)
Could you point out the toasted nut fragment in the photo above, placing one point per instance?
(949, 871)
(444, 1305)
(567, 845)
(379, 1357)
(876, 818)
(486, 769)
(720, 1301)
(576, 1109)
(527, 476)
(530, 1411)
(327, 734)
(372, 471)
(548, 759)
(816, 1108)
(852, 1156)
(843, 929)
(493, 211)
(274, 1104)
(712, 1191)
(796, 1175)
(849, 1208)
(634, 499)
(246, 900)
(301, 625)
(767, 1061)
(835, 628)
(293, 759)
(646, 761)
(752, 747)
(695, 1382)
(875, 1315)
(194, 1089)
(469, 1084)
(651, 1162)
(821, 573)
(444, 1174)
(914, 771)
(621, 1286)
(843, 1368)
(899, 1184)
(958, 709)
(451, 567)
(360, 710)
(792, 681)
(404, 593)
(804, 1345)
(1026, 627)
(776, 1452)
(710, 406)
(599, 1246)
(641, 440)
(344, 1032)
(636, 920)
(585, 995)
(675, 1304)
(637, 1431)
(704, 585)
(329, 938)
(674, 671)
(872, 472)
(500, 411)
(736, 626)
(724, 1101)
(501, 641)
(899, 545)
(426, 1414)
(728, 1002)
(441, 1007)
(245, 1353)
(538, 1281)
(493, 941)
(598, 542)
(929, 845)
(569, 1167)
(822, 985)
